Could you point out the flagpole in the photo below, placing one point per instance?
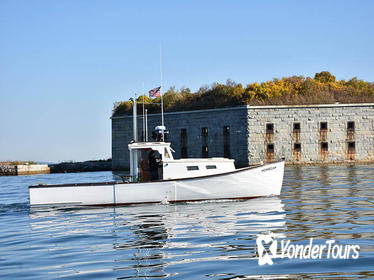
(162, 102)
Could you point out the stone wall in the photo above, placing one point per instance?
(8, 170)
(310, 139)
(193, 121)
(23, 169)
(26, 169)
(249, 142)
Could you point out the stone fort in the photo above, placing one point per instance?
(299, 134)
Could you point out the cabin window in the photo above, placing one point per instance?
(351, 126)
(323, 126)
(184, 143)
(192, 168)
(296, 127)
(211, 167)
(269, 128)
(204, 148)
(226, 141)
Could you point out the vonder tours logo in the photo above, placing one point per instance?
(267, 248)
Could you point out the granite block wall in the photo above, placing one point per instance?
(193, 121)
(337, 135)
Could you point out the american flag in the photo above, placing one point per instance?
(156, 92)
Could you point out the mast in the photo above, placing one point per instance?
(146, 125)
(143, 130)
(135, 129)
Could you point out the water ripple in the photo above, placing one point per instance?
(192, 240)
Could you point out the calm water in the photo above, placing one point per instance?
(214, 240)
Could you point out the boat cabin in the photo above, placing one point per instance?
(154, 161)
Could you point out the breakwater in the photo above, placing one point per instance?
(86, 166)
(64, 167)
(23, 169)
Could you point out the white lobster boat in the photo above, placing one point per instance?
(180, 180)
(156, 177)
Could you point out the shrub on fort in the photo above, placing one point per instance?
(295, 90)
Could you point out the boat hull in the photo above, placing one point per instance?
(242, 183)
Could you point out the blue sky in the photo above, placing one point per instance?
(64, 63)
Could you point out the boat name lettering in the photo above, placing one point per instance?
(268, 169)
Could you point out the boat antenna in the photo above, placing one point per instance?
(143, 130)
(162, 103)
(135, 129)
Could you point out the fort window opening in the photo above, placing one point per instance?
(297, 151)
(324, 151)
(323, 131)
(350, 130)
(204, 149)
(351, 126)
(296, 127)
(269, 133)
(323, 125)
(351, 146)
(297, 147)
(351, 150)
(270, 148)
(324, 146)
(269, 128)
(269, 153)
(184, 143)
(296, 132)
(226, 141)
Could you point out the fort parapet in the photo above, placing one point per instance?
(300, 134)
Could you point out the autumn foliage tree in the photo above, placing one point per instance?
(295, 90)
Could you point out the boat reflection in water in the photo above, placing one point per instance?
(152, 240)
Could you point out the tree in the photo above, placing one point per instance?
(325, 77)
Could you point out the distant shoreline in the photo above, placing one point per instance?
(14, 168)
